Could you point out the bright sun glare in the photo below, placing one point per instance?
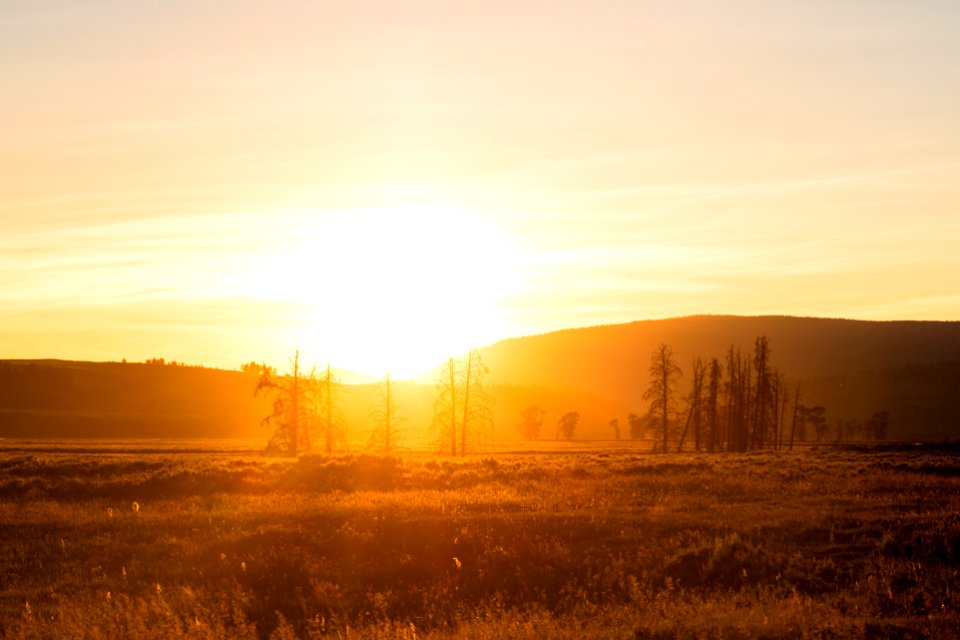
(393, 289)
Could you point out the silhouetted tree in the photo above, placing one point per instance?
(445, 406)
(762, 400)
(845, 429)
(737, 400)
(712, 406)
(567, 425)
(781, 395)
(615, 425)
(294, 414)
(385, 419)
(463, 411)
(878, 425)
(664, 377)
(332, 420)
(531, 422)
(256, 368)
(816, 417)
(636, 426)
(797, 407)
(695, 406)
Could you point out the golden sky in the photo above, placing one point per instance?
(382, 183)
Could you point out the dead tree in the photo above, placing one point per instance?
(664, 377)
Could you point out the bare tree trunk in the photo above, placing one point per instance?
(796, 408)
(388, 427)
(712, 403)
(784, 399)
(328, 390)
(453, 407)
(466, 405)
(697, 393)
(295, 406)
(665, 388)
(686, 426)
(663, 373)
(732, 399)
(746, 404)
(761, 359)
(774, 413)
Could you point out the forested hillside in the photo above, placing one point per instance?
(53, 398)
(853, 368)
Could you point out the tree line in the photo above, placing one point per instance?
(740, 403)
(305, 413)
(737, 403)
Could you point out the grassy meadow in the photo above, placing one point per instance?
(153, 541)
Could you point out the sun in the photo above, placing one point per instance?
(396, 289)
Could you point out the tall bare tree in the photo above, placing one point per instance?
(445, 406)
(332, 421)
(781, 397)
(385, 419)
(463, 410)
(796, 416)
(712, 408)
(695, 409)
(762, 399)
(664, 378)
(736, 400)
(294, 414)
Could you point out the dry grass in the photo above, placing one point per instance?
(604, 544)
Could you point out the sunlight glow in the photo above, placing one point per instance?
(383, 183)
(395, 288)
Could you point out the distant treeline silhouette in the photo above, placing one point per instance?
(743, 403)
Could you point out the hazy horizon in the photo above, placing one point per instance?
(427, 375)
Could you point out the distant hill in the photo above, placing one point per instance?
(67, 399)
(57, 398)
(854, 368)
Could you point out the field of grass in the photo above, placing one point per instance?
(143, 541)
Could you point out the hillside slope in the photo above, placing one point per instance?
(66, 399)
(853, 367)
(56, 398)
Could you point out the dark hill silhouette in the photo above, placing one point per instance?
(852, 367)
(67, 399)
(57, 398)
